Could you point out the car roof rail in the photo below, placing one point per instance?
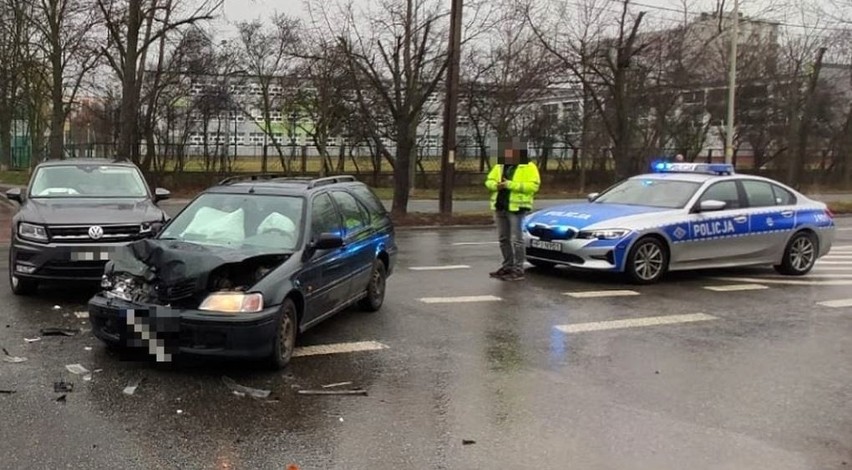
(252, 177)
(331, 180)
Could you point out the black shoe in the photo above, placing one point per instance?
(513, 276)
(499, 273)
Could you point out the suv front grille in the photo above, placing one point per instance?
(80, 233)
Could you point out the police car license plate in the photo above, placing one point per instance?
(545, 245)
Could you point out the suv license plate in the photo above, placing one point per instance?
(544, 245)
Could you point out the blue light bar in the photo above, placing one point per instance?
(711, 168)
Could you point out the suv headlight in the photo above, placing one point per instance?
(32, 232)
(604, 234)
(148, 228)
(233, 302)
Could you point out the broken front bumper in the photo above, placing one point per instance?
(194, 332)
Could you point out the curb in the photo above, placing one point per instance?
(442, 227)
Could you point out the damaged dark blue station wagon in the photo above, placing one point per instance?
(247, 266)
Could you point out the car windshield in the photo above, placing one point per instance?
(88, 180)
(650, 192)
(267, 223)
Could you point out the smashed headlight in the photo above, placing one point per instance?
(122, 287)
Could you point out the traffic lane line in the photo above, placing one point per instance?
(338, 348)
(474, 243)
(785, 282)
(601, 293)
(439, 268)
(461, 299)
(634, 323)
(837, 303)
(736, 287)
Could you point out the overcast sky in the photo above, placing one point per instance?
(787, 11)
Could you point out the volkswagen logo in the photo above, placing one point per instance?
(95, 232)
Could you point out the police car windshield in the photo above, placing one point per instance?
(650, 192)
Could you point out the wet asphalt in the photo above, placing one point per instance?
(765, 384)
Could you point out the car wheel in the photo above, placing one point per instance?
(21, 286)
(647, 261)
(376, 288)
(799, 256)
(542, 264)
(284, 342)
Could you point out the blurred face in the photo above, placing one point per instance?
(510, 156)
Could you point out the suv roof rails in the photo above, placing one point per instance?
(331, 180)
(311, 182)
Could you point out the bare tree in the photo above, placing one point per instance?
(13, 26)
(268, 58)
(603, 65)
(133, 26)
(400, 58)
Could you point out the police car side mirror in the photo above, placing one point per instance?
(711, 205)
(593, 196)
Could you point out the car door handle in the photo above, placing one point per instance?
(787, 214)
(740, 219)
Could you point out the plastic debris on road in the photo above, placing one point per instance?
(356, 391)
(32, 340)
(12, 359)
(77, 369)
(241, 389)
(60, 331)
(130, 389)
(81, 314)
(339, 384)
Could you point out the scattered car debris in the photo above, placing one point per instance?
(63, 386)
(7, 392)
(60, 331)
(57, 307)
(87, 348)
(81, 314)
(32, 340)
(180, 412)
(61, 399)
(241, 389)
(339, 384)
(467, 442)
(356, 391)
(77, 369)
(130, 389)
(12, 359)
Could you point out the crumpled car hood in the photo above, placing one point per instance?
(179, 269)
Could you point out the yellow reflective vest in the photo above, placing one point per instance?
(522, 187)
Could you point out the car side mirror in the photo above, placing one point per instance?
(327, 241)
(161, 194)
(711, 205)
(593, 196)
(14, 194)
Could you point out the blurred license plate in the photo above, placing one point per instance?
(90, 256)
(553, 246)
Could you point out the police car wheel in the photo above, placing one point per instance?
(647, 261)
(284, 342)
(799, 255)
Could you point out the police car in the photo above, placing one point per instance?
(683, 216)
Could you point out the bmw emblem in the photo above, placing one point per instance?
(96, 232)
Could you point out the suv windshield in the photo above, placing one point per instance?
(88, 180)
(650, 192)
(269, 223)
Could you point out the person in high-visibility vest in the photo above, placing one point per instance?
(513, 184)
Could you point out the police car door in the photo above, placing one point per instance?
(772, 218)
(714, 235)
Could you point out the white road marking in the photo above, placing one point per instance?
(601, 293)
(452, 300)
(474, 243)
(822, 263)
(784, 282)
(736, 287)
(634, 322)
(836, 303)
(838, 256)
(819, 268)
(338, 348)
(817, 276)
(841, 247)
(439, 268)
(843, 229)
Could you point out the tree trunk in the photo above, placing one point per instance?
(402, 170)
(129, 91)
(6, 139)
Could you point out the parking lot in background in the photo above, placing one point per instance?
(724, 369)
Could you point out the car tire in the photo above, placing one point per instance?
(800, 255)
(542, 264)
(286, 332)
(21, 286)
(375, 295)
(647, 261)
